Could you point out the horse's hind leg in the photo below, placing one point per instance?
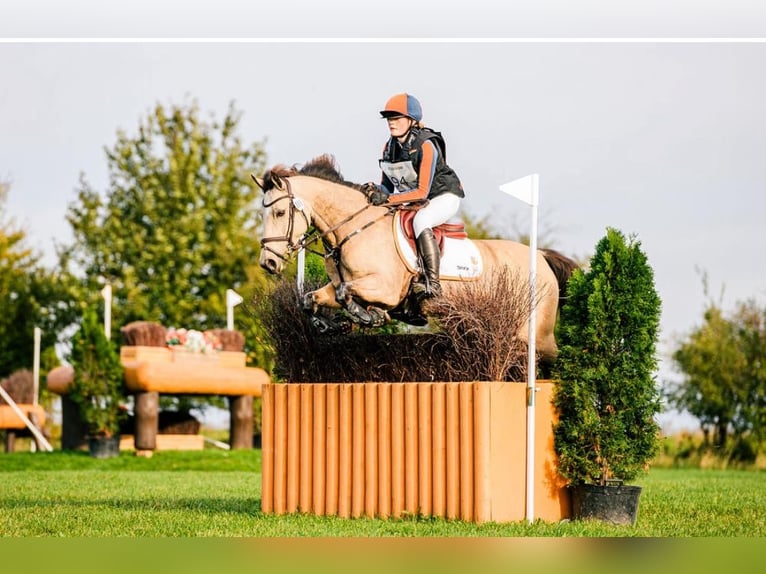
(370, 317)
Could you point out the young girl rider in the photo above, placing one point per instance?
(415, 170)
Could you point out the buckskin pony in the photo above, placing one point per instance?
(368, 259)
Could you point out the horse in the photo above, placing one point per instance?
(370, 278)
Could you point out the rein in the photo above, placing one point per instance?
(303, 242)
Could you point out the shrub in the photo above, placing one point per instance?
(606, 396)
(98, 387)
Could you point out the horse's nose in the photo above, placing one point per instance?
(270, 265)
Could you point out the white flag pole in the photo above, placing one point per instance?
(106, 293)
(526, 189)
(301, 271)
(232, 300)
(36, 366)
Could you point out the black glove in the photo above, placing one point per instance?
(378, 197)
(376, 194)
(369, 187)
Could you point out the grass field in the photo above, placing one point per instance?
(214, 493)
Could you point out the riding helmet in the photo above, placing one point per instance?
(403, 105)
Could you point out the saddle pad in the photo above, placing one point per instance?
(460, 260)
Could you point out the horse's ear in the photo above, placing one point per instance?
(258, 181)
(276, 180)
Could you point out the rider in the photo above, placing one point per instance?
(415, 170)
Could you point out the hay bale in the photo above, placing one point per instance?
(20, 386)
(230, 340)
(143, 333)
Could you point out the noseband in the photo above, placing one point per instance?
(295, 203)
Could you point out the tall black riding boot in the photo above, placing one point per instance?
(428, 248)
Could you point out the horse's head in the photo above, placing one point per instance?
(285, 220)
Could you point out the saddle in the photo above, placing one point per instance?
(455, 229)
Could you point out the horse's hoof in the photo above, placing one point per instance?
(308, 302)
(378, 317)
(322, 325)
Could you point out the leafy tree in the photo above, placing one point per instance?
(177, 226)
(29, 297)
(723, 362)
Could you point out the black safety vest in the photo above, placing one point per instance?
(445, 179)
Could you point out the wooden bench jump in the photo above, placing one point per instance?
(151, 371)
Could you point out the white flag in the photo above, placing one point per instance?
(106, 292)
(524, 189)
(233, 298)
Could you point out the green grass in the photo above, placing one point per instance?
(217, 494)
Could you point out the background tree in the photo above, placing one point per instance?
(29, 298)
(175, 228)
(723, 384)
(177, 225)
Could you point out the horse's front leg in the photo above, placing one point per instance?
(323, 297)
(313, 301)
(369, 317)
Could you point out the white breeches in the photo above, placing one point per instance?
(439, 210)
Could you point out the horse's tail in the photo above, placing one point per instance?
(562, 267)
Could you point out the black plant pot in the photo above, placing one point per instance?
(104, 447)
(617, 504)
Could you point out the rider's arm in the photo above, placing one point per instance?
(429, 155)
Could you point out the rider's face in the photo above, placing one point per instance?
(398, 126)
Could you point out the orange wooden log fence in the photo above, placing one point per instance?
(452, 450)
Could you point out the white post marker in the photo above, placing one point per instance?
(526, 189)
(301, 271)
(106, 293)
(36, 366)
(232, 300)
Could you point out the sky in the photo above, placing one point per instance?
(650, 120)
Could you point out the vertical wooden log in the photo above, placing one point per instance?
(411, 465)
(10, 441)
(293, 447)
(307, 446)
(358, 492)
(320, 435)
(481, 449)
(331, 449)
(397, 449)
(466, 452)
(371, 449)
(452, 438)
(425, 460)
(345, 451)
(147, 420)
(267, 448)
(241, 422)
(439, 450)
(384, 450)
(280, 448)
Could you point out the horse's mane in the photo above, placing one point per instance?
(323, 167)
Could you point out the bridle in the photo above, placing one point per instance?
(295, 204)
(310, 237)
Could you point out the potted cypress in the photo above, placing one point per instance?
(97, 387)
(605, 394)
